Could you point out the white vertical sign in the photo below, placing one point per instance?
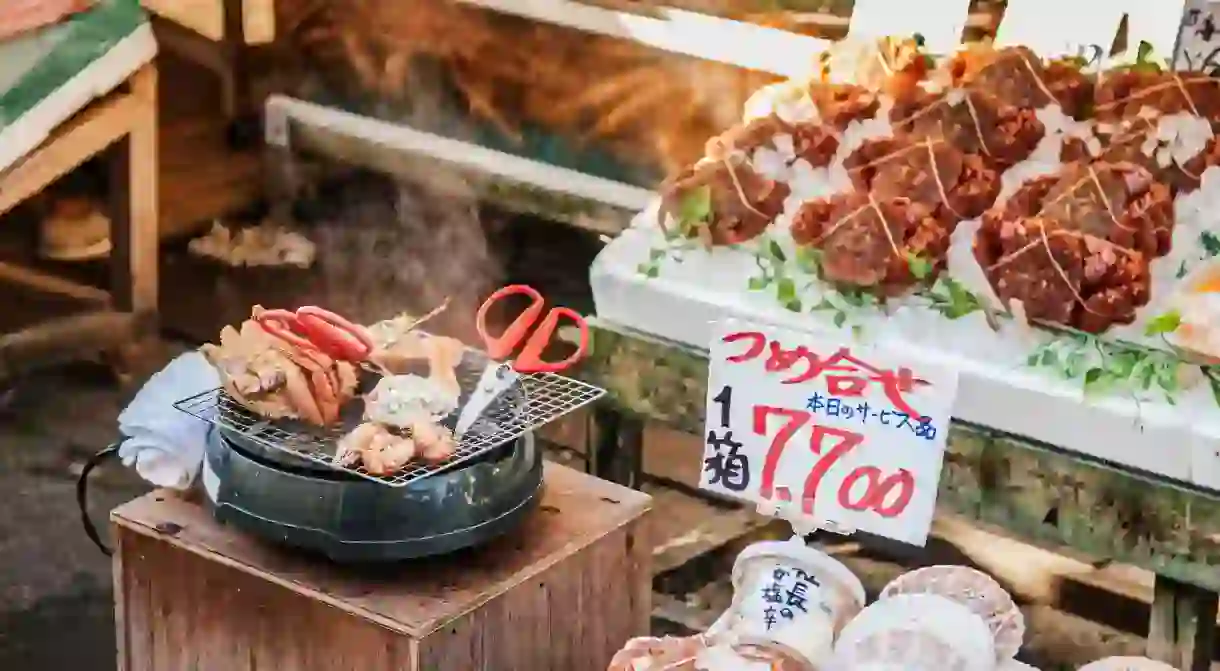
(845, 435)
(1057, 27)
(941, 22)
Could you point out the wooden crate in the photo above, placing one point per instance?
(563, 592)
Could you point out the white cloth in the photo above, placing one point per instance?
(163, 444)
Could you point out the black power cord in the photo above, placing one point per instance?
(82, 494)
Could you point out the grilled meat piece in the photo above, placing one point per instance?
(722, 202)
(1074, 248)
(872, 244)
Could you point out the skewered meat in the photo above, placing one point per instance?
(1075, 248)
(397, 348)
(277, 379)
(936, 177)
(1017, 77)
(872, 244)
(722, 202)
(1174, 149)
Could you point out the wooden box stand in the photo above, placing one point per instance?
(563, 592)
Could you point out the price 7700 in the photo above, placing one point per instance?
(886, 495)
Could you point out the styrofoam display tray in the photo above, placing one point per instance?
(1178, 438)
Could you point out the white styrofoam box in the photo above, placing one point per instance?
(996, 389)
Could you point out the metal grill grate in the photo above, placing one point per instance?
(538, 400)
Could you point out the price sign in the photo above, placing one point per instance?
(1199, 42)
(850, 436)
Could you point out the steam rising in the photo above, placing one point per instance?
(405, 245)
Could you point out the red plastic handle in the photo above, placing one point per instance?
(502, 346)
(530, 360)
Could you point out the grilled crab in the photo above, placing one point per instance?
(808, 140)
(1126, 92)
(937, 178)
(973, 121)
(1075, 248)
(1018, 78)
(722, 202)
(880, 246)
(278, 380)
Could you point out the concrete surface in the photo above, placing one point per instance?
(55, 589)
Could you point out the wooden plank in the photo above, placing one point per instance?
(93, 130)
(692, 527)
(1182, 629)
(133, 202)
(512, 182)
(46, 282)
(207, 17)
(64, 339)
(682, 32)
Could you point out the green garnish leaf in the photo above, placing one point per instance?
(1049, 358)
(776, 251)
(809, 260)
(785, 290)
(1164, 323)
(1210, 242)
(1093, 377)
(840, 318)
(919, 267)
(696, 206)
(758, 283)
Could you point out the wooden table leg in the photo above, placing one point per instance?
(617, 447)
(1183, 625)
(134, 207)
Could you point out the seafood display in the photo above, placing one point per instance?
(278, 374)
(1064, 177)
(307, 365)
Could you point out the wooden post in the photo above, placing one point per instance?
(134, 207)
(1183, 625)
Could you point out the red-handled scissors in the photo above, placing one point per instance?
(312, 328)
(528, 335)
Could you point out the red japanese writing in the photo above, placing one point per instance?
(845, 375)
(878, 488)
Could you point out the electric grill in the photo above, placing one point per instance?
(278, 479)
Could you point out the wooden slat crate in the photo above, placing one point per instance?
(561, 593)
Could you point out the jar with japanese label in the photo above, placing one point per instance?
(1127, 664)
(975, 590)
(915, 632)
(792, 598)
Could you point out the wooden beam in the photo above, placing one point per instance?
(64, 339)
(133, 196)
(53, 284)
(93, 130)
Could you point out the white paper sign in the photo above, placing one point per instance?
(1199, 42)
(829, 430)
(941, 22)
(1056, 27)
